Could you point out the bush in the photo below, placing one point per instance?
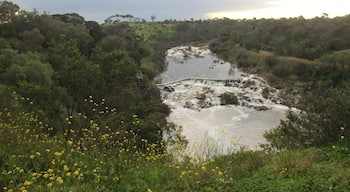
(318, 124)
(281, 70)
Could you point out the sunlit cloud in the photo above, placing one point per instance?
(286, 8)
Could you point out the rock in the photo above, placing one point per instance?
(228, 98)
(248, 83)
(204, 104)
(201, 96)
(261, 108)
(265, 92)
(169, 89)
(188, 104)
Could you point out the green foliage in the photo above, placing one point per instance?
(153, 31)
(24, 67)
(8, 11)
(318, 125)
(60, 60)
(281, 70)
(32, 40)
(298, 37)
(340, 59)
(4, 44)
(73, 18)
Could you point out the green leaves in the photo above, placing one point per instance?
(316, 126)
(24, 67)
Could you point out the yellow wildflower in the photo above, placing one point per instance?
(65, 168)
(76, 172)
(50, 170)
(59, 180)
(49, 185)
(27, 183)
(46, 175)
(31, 157)
(58, 154)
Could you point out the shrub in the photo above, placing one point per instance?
(281, 70)
(318, 124)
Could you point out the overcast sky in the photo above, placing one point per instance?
(186, 9)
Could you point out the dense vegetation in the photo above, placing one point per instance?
(79, 110)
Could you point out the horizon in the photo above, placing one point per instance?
(232, 9)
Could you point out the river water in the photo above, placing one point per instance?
(211, 128)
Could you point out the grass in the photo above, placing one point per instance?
(31, 159)
(152, 30)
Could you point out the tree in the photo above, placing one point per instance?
(4, 43)
(32, 40)
(8, 11)
(153, 17)
(24, 67)
(54, 29)
(73, 18)
(74, 71)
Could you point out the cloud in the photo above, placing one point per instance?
(286, 8)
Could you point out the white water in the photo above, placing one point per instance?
(209, 127)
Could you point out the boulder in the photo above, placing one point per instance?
(228, 98)
(261, 108)
(169, 89)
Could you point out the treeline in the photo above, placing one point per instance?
(297, 37)
(60, 66)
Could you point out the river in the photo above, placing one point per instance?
(210, 127)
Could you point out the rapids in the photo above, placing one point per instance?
(196, 105)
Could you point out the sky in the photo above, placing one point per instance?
(187, 9)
